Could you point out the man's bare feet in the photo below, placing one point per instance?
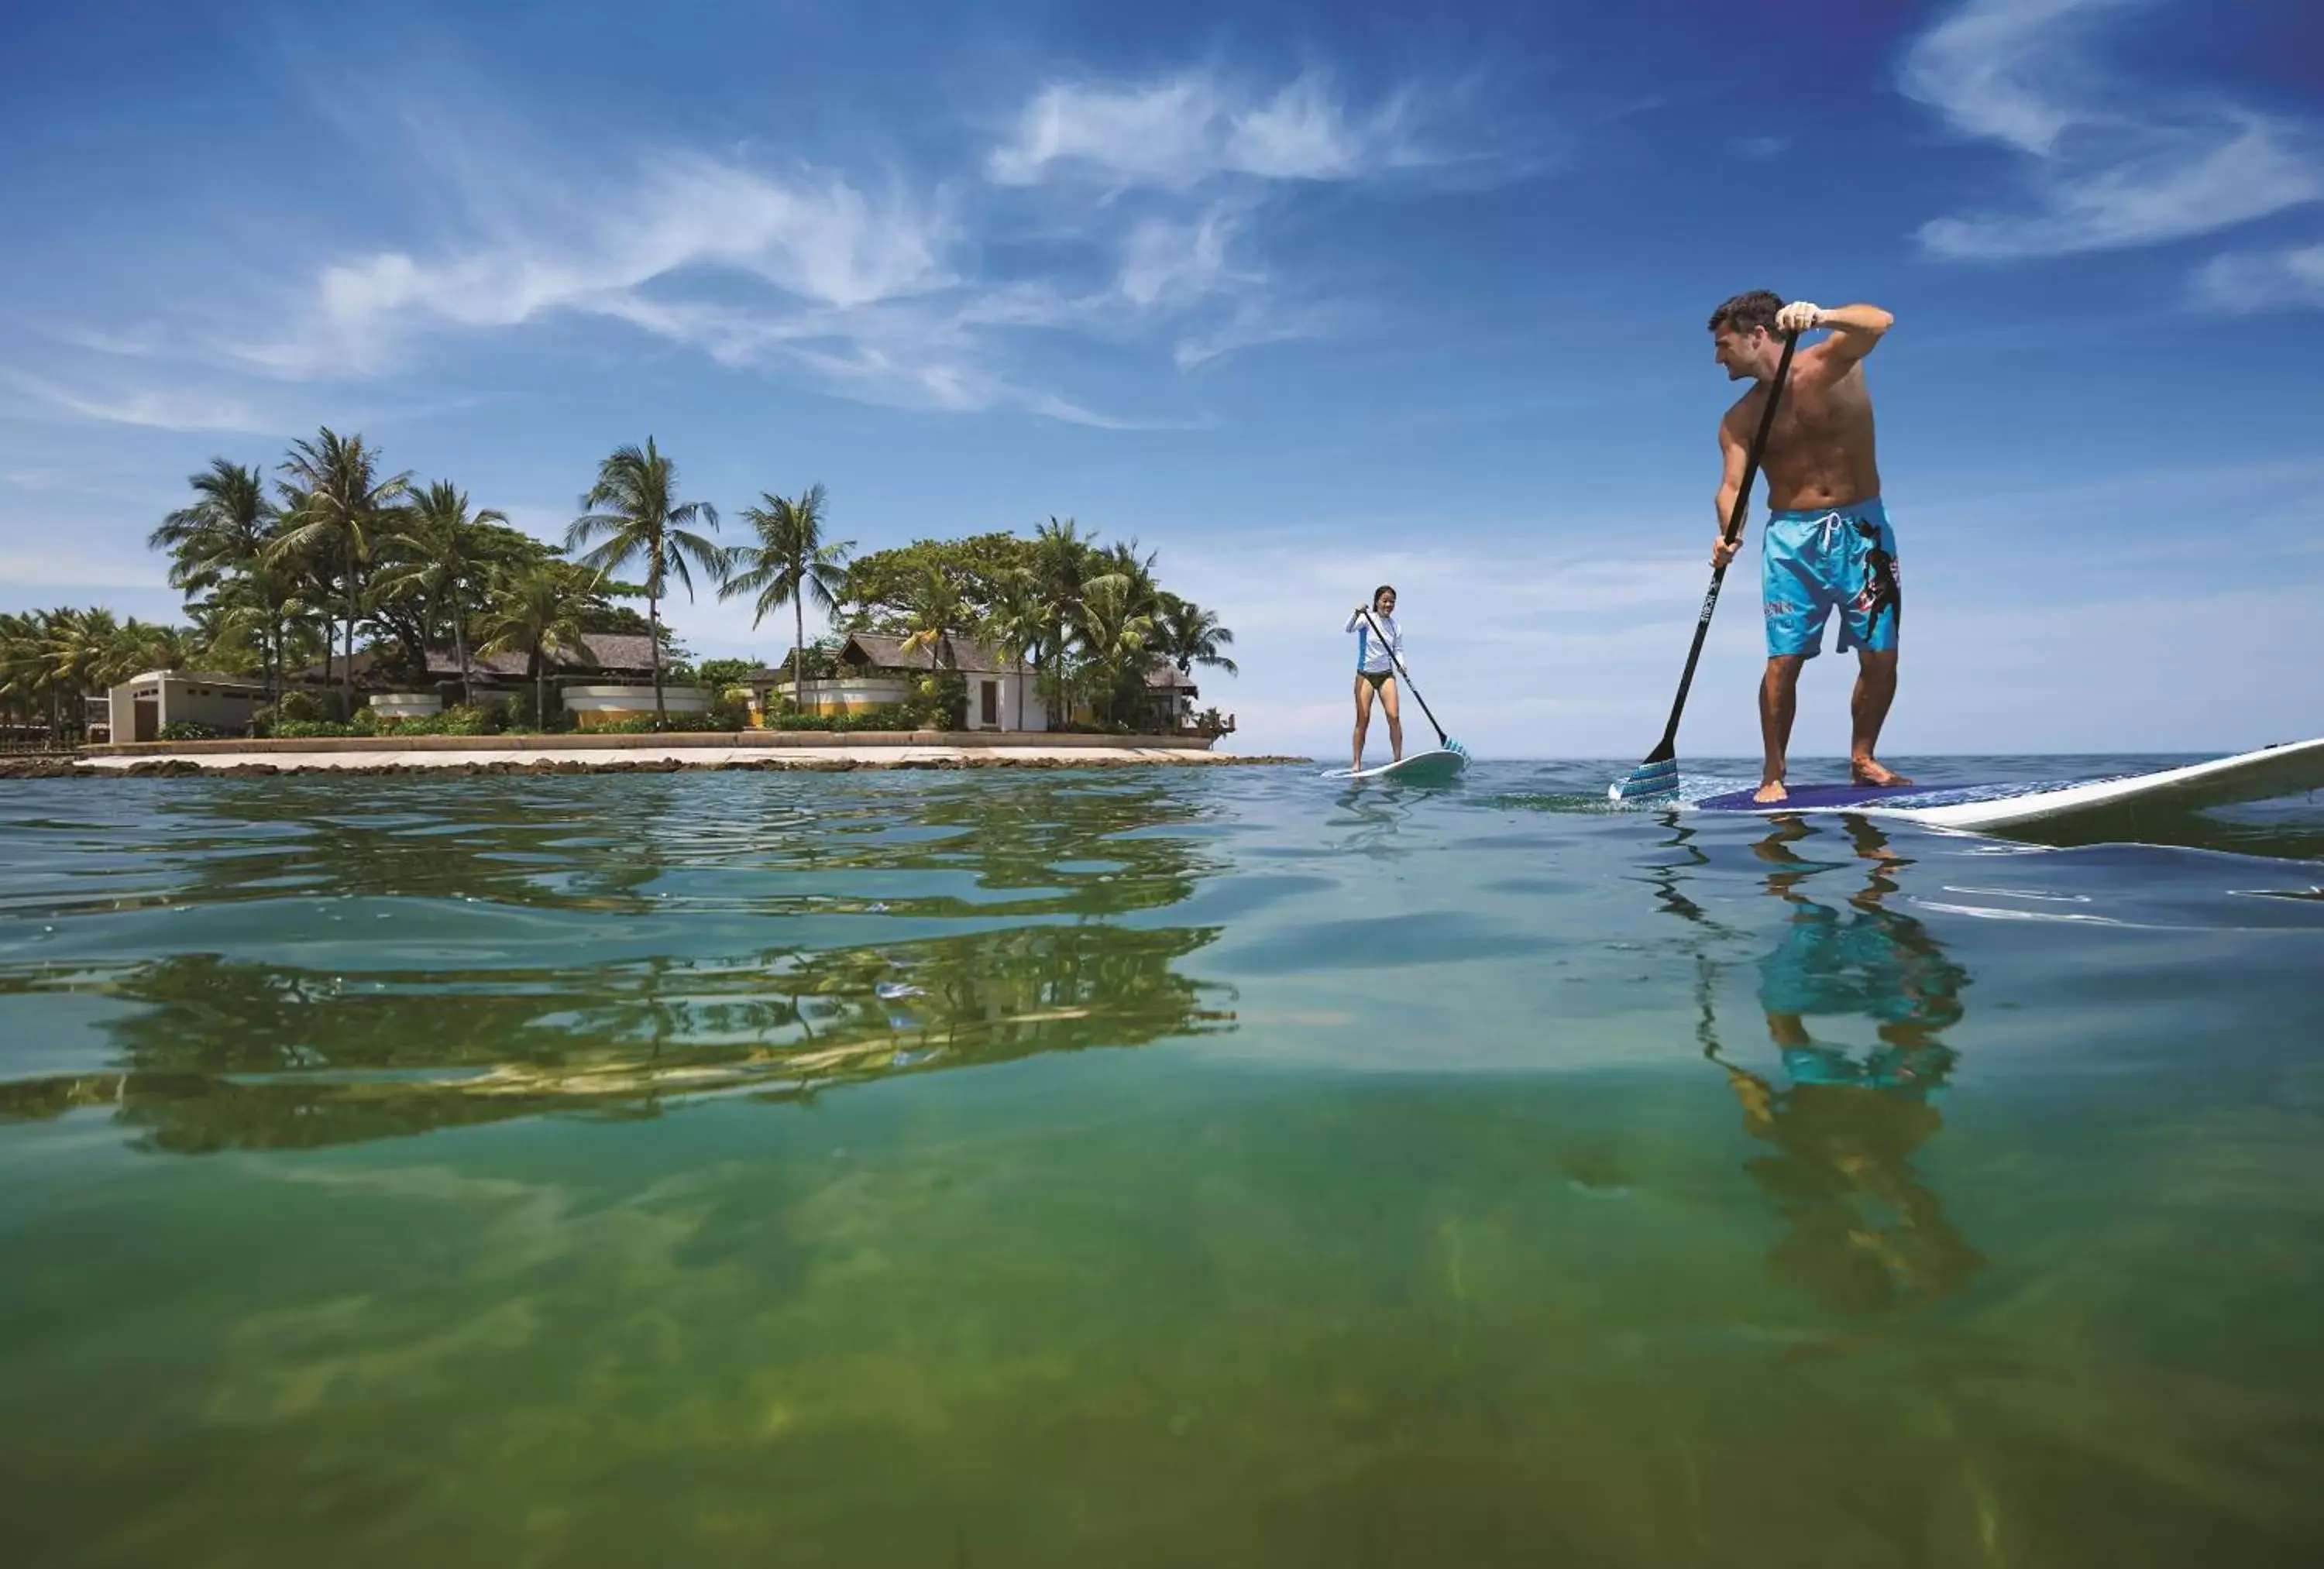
(1865, 771)
(1771, 792)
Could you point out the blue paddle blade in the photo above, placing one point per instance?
(1646, 781)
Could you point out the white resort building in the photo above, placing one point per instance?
(141, 707)
(1003, 693)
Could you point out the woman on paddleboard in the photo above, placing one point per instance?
(1379, 643)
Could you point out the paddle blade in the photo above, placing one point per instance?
(1655, 777)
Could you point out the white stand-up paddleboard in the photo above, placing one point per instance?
(2263, 776)
(1434, 768)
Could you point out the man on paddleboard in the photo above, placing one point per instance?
(1828, 545)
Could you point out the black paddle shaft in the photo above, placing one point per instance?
(1398, 660)
(1734, 517)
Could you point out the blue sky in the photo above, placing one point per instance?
(1305, 297)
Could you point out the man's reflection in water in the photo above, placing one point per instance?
(1867, 1234)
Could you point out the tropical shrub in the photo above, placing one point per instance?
(460, 720)
(523, 711)
(939, 701)
(190, 731)
(672, 724)
(885, 716)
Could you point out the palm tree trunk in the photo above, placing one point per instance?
(798, 651)
(347, 665)
(460, 651)
(653, 626)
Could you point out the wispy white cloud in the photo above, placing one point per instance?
(1134, 214)
(1164, 261)
(1181, 130)
(158, 408)
(2109, 164)
(1254, 324)
(826, 252)
(880, 299)
(2251, 282)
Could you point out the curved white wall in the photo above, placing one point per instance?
(604, 705)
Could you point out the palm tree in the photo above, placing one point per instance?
(24, 679)
(937, 608)
(270, 605)
(142, 646)
(790, 566)
(222, 534)
(1121, 559)
(1017, 623)
(1114, 635)
(1189, 635)
(630, 509)
(1059, 562)
(338, 506)
(82, 649)
(537, 611)
(449, 554)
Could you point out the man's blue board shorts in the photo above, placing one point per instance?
(1823, 559)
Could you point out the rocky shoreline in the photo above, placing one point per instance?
(374, 765)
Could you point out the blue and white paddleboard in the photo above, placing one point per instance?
(2263, 776)
(1434, 768)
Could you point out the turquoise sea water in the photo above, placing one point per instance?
(1148, 1168)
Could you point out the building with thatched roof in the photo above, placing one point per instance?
(610, 657)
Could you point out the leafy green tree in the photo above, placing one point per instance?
(718, 674)
(337, 506)
(879, 588)
(633, 511)
(790, 565)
